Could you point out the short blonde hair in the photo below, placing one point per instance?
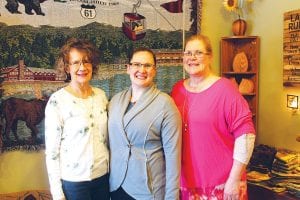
(202, 38)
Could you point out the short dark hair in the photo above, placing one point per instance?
(92, 53)
(141, 49)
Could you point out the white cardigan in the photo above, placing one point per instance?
(75, 138)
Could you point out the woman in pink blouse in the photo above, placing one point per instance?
(218, 132)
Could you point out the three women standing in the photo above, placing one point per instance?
(145, 132)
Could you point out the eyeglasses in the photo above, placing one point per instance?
(198, 54)
(82, 62)
(139, 65)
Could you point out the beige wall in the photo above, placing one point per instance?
(277, 125)
(21, 171)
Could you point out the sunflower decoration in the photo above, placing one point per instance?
(231, 5)
(236, 6)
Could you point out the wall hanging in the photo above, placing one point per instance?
(32, 32)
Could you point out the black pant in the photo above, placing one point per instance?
(87, 190)
(120, 194)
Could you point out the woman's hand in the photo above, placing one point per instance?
(232, 185)
(231, 189)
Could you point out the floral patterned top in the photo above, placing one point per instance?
(76, 138)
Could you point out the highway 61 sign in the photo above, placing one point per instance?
(88, 11)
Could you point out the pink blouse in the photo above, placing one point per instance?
(213, 119)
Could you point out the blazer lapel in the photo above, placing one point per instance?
(141, 104)
(122, 107)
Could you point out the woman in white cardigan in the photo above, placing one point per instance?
(76, 130)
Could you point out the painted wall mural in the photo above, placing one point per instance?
(32, 32)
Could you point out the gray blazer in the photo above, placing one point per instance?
(145, 145)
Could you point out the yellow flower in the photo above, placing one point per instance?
(237, 6)
(230, 5)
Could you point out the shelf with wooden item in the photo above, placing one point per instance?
(240, 64)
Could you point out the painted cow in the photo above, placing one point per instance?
(32, 112)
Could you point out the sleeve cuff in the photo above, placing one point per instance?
(243, 148)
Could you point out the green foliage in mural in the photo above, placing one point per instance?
(39, 46)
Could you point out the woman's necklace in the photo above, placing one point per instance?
(187, 109)
(184, 114)
(195, 89)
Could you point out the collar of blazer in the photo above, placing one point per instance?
(145, 100)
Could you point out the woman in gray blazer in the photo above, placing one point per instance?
(144, 136)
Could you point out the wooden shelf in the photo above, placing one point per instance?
(230, 46)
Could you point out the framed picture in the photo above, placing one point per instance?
(292, 101)
(31, 35)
